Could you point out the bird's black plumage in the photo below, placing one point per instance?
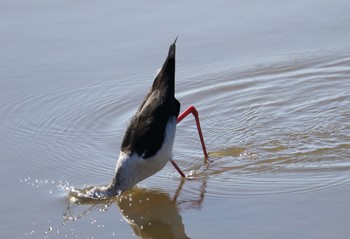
(146, 130)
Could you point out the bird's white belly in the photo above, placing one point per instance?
(132, 168)
(164, 154)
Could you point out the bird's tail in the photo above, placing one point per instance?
(165, 79)
(172, 50)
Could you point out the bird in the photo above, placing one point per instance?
(149, 137)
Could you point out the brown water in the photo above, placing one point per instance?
(271, 81)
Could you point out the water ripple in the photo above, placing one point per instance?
(277, 128)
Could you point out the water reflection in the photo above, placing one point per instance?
(151, 213)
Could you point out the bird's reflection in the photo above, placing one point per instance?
(151, 213)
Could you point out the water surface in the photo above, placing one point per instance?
(270, 81)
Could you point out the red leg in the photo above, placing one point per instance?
(178, 169)
(194, 111)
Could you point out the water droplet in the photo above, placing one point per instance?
(93, 220)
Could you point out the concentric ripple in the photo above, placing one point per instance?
(276, 128)
(71, 132)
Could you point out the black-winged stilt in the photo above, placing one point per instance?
(148, 141)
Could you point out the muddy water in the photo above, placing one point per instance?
(270, 81)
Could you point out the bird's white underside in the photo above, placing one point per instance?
(132, 168)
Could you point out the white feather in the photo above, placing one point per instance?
(132, 168)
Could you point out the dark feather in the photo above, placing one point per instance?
(146, 130)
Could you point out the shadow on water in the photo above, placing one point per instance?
(150, 213)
